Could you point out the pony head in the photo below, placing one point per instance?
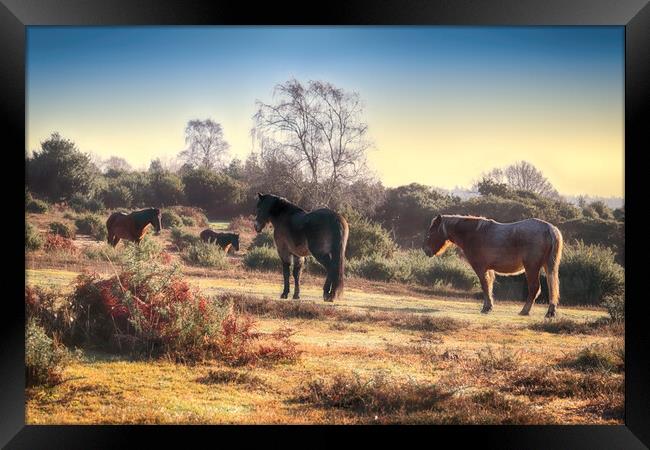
(156, 221)
(437, 240)
(265, 203)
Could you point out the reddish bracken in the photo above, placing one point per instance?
(54, 242)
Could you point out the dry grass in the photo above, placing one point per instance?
(384, 353)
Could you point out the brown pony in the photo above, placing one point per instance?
(503, 248)
(132, 226)
(223, 240)
(297, 233)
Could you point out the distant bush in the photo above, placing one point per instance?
(183, 239)
(116, 195)
(262, 258)
(606, 233)
(170, 219)
(188, 221)
(92, 225)
(80, 203)
(33, 239)
(263, 239)
(44, 358)
(242, 224)
(205, 255)
(191, 216)
(62, 229)
(36, 206)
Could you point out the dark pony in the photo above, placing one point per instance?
(297, 233)
(132, 226)
(223, 240)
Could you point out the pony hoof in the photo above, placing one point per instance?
(284, 295)
(486, 310)
(524, 313)
(328, 299)
(296, 297)
(550, 314)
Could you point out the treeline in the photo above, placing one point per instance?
(60, 172)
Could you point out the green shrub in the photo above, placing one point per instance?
(103, 252)
(92, 225)
(62, 229)
(262, 258)
(263, 239)
(368, 238)
(44, 358)
(170, 219)
(205, 255)
(588, 274)
(378, 268)
(446, 269)
(615, 304)
(36, 206)
(80, 203)
(188, 221)
(183, 239)
(115, 195)
(33, 239)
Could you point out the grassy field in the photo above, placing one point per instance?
(385, 353)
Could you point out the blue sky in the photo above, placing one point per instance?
(465, 99)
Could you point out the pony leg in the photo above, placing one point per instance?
(486, 278)
(297, 270)
(116, 239)
(326, 261)
(532, 276)
(553, 281)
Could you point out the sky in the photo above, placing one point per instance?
(442, 104)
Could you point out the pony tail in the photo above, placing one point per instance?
(338, 259)
(553, 266)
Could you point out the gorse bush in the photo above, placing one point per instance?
(262, 258)
(36, 206)
(182, 239)
(92, 225)
(615, 304)
(378, 268)
(33, 239)
(205, 255)
(263, 239)
(44, 358)
(62, 229)
(170, 219)
(242, 224)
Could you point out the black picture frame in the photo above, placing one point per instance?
(634, 15)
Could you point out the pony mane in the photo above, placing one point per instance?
(283, 204)
(454, 219)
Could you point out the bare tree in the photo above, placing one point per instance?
(117, 164)
(520, 176)
(317, 130)
(207, 147)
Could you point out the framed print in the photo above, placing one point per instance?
(382, 220)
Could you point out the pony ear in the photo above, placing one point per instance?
(259, 195)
